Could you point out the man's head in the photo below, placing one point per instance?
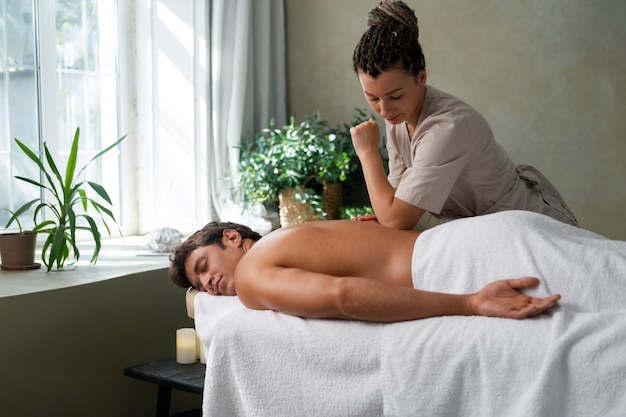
(207, 259)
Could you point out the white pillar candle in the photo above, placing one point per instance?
(185, 345)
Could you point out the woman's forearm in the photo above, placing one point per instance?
(381, 193)
(390, 211)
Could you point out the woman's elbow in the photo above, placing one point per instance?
(404, 217)
(397, 223)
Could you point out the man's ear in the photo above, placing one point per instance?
(232, 237)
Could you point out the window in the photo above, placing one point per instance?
(58, 70)
(182, 79)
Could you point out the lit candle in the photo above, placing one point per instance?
(185, 345)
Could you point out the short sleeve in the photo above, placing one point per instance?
(439, 154)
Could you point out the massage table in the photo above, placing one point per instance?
(568, 362)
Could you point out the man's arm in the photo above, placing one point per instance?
(306, 294)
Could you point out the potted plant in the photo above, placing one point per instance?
(281, 165)
(17, 250)
(64, 209)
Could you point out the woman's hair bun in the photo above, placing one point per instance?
(393, 12)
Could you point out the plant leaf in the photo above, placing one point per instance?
(83, 198)
(55, 171)
(93, 228)
(100, 208)
(101, 153)
(20, 211)
(71, 162)
(28, 180)
(41, 227)
(29, 153)
(101, 191)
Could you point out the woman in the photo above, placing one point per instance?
(443, 158)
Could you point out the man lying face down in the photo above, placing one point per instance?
(335, 269)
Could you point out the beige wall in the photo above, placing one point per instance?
(63, 352)
(550, 77)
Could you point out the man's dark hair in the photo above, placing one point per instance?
(390, 41)
(211, 234)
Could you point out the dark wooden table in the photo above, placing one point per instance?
(169, 374)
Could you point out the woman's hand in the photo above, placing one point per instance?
(366, 218)
(365, 137)
(502, 299)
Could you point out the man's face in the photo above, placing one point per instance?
(212, 269)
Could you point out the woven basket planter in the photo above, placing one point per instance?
(332, 200)
(292, 211)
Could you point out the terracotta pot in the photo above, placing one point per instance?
(17, 251)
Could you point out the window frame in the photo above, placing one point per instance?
(47, 96)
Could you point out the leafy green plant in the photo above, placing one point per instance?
(291, 156)
(350, 212)
(68, 195)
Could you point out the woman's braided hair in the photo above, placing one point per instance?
(391, 40)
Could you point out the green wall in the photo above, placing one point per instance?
(63, 352)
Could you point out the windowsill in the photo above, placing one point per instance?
(118, 258)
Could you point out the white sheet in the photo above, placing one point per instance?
(571, 362)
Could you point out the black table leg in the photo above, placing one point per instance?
(163, 401)
(169, 375)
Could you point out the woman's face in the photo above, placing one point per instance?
(395, 95)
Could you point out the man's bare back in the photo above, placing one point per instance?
(337, 248)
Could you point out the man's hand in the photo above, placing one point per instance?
(502, 299)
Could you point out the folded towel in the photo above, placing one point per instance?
(210, 309)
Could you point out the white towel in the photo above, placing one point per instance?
(570, 362)
(263, 363)
(464, 255)
(209, 309)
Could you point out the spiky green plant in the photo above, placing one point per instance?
(63, 221)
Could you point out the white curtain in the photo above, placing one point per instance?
(207, 74)
(246, 90)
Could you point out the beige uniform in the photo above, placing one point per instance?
(453, 167)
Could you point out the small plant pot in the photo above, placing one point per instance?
(17, 251)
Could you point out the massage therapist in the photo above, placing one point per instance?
(443, 157)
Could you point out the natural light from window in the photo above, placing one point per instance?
(58, 71)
